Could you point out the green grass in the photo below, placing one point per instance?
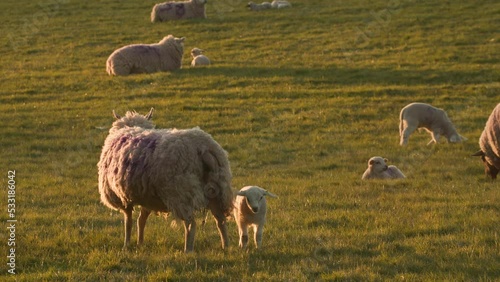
(300, 98)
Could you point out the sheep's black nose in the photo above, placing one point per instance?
(255, 209)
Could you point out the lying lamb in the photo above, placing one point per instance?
(178, 10)
(259, 7)
(198, 58)
(280, 4)
(378, 169)
(147, 58)
(250, 209)
(164, 170)
(432, 119)
(489, 144)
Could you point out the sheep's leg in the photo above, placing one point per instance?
(127, 213)
(435, 138)
(220, 218)
(141, 223)
(243, 230)
(405, 134)
(258, 230)
(189, 232)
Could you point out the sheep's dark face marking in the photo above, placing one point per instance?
(489, 169)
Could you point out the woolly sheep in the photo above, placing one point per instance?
(147, 58)
(250, 210)
(164, 170)
(178, 10)
(259, 7)
(489, 144)
(279, 4)
(198, 58)
(378, 169)
(432, 119)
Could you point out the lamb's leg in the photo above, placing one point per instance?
(258, 230)
(141, 223)
(189, 232)
(243, 230)
(405, 133)
(127, 213)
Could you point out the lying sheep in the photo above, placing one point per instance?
(279, 4)
(432, 119)
(259, 7)
(250, 210)
(198, 58)
(147, 58)
(164, 170)
(489, 144)
(378, 169)
(179, 10)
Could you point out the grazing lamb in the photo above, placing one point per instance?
(378, 169)
(147, 58)
(259, 7)
(198, 58)
(280, 4)
(250, 209)
(432, 119)
(489, 144)
(179, 10)
(164, 170)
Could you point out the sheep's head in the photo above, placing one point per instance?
(489, 169)
(133, 119)
(254, 197)
(377, 164)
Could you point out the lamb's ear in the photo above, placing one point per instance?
(478, 154)
(116, 116)
(370, 162)
(267, 193)
(150, 114)
(241, 193)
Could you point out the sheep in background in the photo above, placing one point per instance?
(164, 170)
(489, 144)
(432, 119)
(147, 58)
(179, 10)
(378, 169)
(280, 4)
(259, 7)
(250, 210)
(198, 58)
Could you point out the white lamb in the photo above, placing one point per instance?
(432, 119)
(147, 58)
(250, 210)
(259, 7)
(378, 169)
(164, 170)
(280, 4)
(179, 10)
(198, 58)
(489, 144)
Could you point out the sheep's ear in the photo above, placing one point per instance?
(115, 115)
(181, 40)
(150, 114)
(267, 193)
(241, 193)
(478, 154)
(463, 138)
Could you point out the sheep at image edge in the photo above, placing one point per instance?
(489, 144)
(164, 170)
(147, 58)
(250, 210)
(179, 10)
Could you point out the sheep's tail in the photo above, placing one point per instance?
(218, 182)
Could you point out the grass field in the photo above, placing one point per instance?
(300, 98)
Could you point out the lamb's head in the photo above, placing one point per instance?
(489, 169)
(377, 164)
(133, 119)
(254, 197)
(196, 52)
